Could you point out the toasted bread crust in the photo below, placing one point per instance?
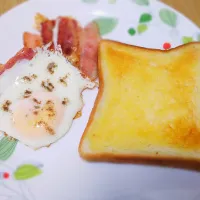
(174, 161)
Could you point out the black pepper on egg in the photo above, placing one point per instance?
(63, 80)
(27, 93)
(47, 85)
(65, 101)
(51, 67)
(6, 105)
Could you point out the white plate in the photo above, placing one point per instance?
(58, 173)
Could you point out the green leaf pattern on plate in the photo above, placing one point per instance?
(7, 147)
(142, 28)
(26, 171)
(112, 1)
(145, 17)
(186, 39)
(90, 1)
(142, 2)
(168, 17)
(106, 24)
(131, 31)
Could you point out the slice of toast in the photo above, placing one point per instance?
(148, 105)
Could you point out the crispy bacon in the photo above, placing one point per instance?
(67, 35)
(1, 68)
(47, 31)
(25, 53)
(79, 45)
(39, 19)
(68, 38)
(32, 40)
(89, 42)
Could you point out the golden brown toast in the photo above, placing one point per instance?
(148, 105)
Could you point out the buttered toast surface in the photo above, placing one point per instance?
(148, 104)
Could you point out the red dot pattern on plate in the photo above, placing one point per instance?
(6, 175)
(166, 45)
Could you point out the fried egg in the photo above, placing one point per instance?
(39, 98)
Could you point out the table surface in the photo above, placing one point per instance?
(190, 8)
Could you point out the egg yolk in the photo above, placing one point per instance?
(38, 116)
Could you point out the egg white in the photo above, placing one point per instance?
(12, 88)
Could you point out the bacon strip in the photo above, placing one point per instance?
(68, 38)
(25, 53)
(39, 19)
(1, 67)
(80, 46)
(32, 40)
(89, 42)
(47, 32)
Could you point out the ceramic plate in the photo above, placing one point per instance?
(58, 173)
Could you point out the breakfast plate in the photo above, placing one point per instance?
(58, 172)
